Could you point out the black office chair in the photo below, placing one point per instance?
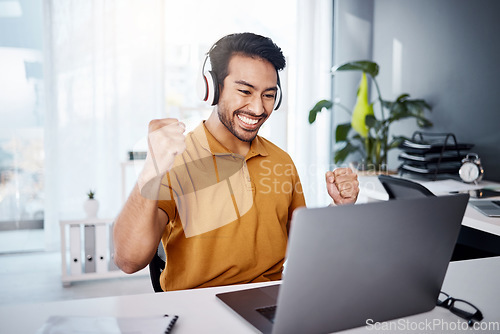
(156, 267)
(471, 243)
(403, 188)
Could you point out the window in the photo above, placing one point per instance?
(113, 65)
(21, 126)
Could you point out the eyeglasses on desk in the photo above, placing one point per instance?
(460, 307)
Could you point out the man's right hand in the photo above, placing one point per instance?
(165, 141)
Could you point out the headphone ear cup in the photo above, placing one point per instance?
(212, 88)
(202, 87)
(277, 99)
(206, 86)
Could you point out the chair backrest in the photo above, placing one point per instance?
(156, 266)
(402, 188)
(467, 246)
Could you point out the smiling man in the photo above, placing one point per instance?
(221, 198)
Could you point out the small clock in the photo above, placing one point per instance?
(471, 170)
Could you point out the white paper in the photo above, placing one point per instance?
(109, 325)
(447, 186)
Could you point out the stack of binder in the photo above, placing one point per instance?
(90, 251)
(431, 154)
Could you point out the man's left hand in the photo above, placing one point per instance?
(342, 185)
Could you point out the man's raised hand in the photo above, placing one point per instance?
(166, 140)
(342, 185)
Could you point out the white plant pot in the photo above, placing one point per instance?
(91, 206)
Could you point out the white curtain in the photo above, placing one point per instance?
(310, 145)
(104, 82)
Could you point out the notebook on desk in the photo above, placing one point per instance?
(349, 265)
(487, 208)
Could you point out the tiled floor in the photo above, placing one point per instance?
(36, 277)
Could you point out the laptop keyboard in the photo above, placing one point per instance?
(268, 312)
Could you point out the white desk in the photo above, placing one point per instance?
(371, 189)
(477, 281)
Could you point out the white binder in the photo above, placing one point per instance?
(89, 248)
(75, 249)
(101, 247)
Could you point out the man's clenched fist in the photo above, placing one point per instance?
(165, 141)
(342, 185)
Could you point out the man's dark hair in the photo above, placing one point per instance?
(247, 44)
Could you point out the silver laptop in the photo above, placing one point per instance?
(349, 265)
(487, 208)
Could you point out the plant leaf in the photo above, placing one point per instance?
(424, 122)
(362, 108)
(370, 121)
(317, 108)
(396, 141)
(341, 155)
(387, 104)
(402, 97)
(421, 104)
(366, 66)
(342, 131)
(406, 108)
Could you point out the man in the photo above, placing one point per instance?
(221, 198)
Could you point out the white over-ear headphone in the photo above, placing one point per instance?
(208, 87)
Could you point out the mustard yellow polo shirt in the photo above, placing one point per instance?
(228, 214)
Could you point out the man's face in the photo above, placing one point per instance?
(247, 99)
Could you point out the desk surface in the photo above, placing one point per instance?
(372, 189)
(199, 310)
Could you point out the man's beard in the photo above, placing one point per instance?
(229, 124)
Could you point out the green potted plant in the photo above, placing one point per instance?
(91, 205)
(368, 133)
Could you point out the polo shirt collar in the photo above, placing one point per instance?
(211, 144)
(257, 148)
